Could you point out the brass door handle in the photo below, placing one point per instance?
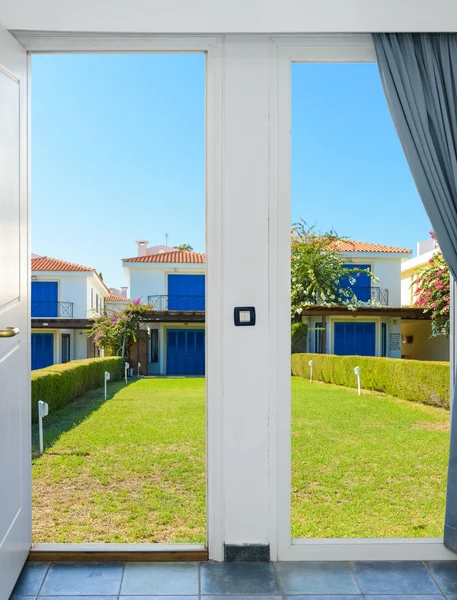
(9, 332)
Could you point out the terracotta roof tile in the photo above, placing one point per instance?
(115, 298)
(46, 263)
(352, 246)
(179, 256)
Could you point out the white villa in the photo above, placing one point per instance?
(64, 298)
(172, 341)
(375, 328)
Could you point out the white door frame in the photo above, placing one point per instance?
(284, 51)
(211, 46)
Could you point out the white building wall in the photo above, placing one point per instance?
(386, 269)
(146, 282)
(94, 288)
(151, 279)
(73, 289)
(80, 344)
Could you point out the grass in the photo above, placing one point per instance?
(132, 469)
(368, 466)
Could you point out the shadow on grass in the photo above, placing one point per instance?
(66, 418)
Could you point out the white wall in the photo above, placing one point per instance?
(235, 16)
(75, 287)
(80, 344)
(93, 283)
(387, 270)
(72, 288)
(150, 279)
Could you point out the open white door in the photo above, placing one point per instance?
(15, 469)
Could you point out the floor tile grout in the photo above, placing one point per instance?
(352, 570)
(122, 579)
(275, 568)
(43, 580)
(432, 576)
(281, 591)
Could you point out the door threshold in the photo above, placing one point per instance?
(100, 552)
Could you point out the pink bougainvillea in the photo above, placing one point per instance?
(432, 292)
(117, 330)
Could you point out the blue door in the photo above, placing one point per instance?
(362, 285)
(185, 352)
(354, 339)
(186, 292)
(44, 299)
(42, 350)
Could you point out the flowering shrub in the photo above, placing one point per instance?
(432, 292)
(318, 276)
(116, 331)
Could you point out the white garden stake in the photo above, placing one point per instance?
(43, 411)
(139, 366)
(127, 367)
(357, 372)
(310, 370)
(107, 378)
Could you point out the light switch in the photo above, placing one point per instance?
(244, 316)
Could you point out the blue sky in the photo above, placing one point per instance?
(118, 155)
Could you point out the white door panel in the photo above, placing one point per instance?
(9, 189)
(15, 460)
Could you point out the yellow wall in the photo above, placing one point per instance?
(423, 347)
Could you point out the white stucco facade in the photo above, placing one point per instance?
(151, 279)
(80, 296)
(386, 268)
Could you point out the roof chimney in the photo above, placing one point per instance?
(124, 292)
(142, 247)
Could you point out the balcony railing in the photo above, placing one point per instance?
(52, 309)
(370, 295)
(380, 296)
(184, 303)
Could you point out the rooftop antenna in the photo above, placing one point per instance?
(166, 239)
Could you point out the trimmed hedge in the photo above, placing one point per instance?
(299, 337)
(58, 385)
(426, 382)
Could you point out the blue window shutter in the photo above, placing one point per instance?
(45, 299)
(185, 352)
(42, 350)
(362, 285)
(354, 339)
(186, 292)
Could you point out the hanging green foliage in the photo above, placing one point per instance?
(318, 276)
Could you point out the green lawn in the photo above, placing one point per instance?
(132, 469)
(368, 466)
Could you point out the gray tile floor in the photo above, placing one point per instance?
(251, 581)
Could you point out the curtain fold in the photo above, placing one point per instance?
(419, 77)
